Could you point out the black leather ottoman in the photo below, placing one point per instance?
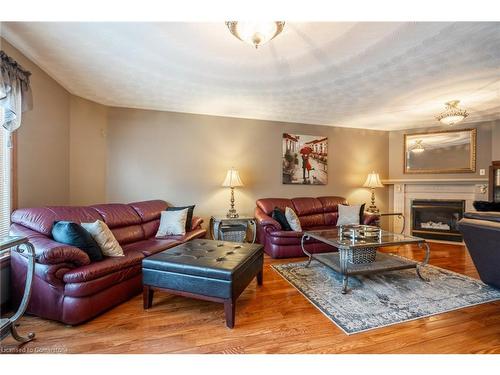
(204, 269)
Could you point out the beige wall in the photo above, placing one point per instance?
(43, 140)
(484, 152)
(88, 152)
(183, 158)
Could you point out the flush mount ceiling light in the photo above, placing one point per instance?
(255, 33)
(452, 114)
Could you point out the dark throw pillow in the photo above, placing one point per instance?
(362, 213)
(280, 217)
(189, 218)
(485, 206)
(75, 235)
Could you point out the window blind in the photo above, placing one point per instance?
(5, 182)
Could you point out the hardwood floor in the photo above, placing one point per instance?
(274, 318)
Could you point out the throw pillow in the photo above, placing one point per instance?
(104, 238)
(280, 217)
(75, 235)
(172, 223)
(362, 213)
(348, 214)
(485, 206)
(293, 220)
(189, 219)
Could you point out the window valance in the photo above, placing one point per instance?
(15, 92)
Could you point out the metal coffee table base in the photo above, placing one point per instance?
(338, 261)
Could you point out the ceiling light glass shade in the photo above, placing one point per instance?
(373, 181)
(255, 33)
(418, 148)
(232, 179)
(452, 114)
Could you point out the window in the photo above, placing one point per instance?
(5, 182)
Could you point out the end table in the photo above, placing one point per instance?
(217, 224)
(8, 325)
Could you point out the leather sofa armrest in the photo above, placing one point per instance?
(266, 221)
(483, 215)
(196, 222)
(48, 251)
(52, 252)
(286, 234)
(481, 223)
(369, 218)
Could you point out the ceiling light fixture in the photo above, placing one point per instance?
(255, 33)
(452, 114)
(418, 147)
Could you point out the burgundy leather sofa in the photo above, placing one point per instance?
(69, 288)
(314, 213)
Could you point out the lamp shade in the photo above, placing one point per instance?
(373, 181)
(232, 179)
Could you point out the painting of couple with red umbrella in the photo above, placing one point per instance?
(305, 159)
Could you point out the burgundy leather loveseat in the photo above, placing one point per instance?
(69, 288)
(314, 213)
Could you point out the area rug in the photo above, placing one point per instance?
(380, 300)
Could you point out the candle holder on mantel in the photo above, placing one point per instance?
(232, 180)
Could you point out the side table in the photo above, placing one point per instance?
(8, 325)
(217, 223)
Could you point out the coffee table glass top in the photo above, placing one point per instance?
(334, 238)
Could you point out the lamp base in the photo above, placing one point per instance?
(372, 210)
(232, 214)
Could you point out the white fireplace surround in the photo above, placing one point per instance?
(406, 190)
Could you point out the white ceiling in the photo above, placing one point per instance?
(366, 75)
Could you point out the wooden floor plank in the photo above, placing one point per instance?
(274, 318)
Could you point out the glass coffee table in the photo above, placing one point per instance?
(358, 251)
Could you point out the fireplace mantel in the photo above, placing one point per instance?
(440, 181)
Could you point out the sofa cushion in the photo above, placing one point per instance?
(74, 234)
(189, 219)
(149, 210)
(128, 234)
(151, 246)
(293, 219)
(349, 214)
(117, 215)
(105, 238)
(108, 265)
(307, 206)
(267, 205)
(41, 219)
(330, 204)
(280, 217)
(172, 223)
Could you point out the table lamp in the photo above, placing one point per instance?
(372, 182)
(232, 180)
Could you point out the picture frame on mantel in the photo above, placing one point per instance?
(445, 151)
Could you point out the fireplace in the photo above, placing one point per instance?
(436, 219)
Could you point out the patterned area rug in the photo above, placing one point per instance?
(384, 299)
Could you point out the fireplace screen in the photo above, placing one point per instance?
(437, 219)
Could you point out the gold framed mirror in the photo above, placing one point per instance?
(446, 151)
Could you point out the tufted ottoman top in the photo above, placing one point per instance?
(205, 258)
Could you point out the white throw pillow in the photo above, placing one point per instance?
(104, 238)
(293, 220)
(172, 223)
(348, 214)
